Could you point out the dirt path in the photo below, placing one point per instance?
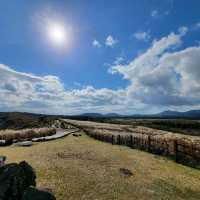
(60, 133)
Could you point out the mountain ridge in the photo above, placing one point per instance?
(167, 114)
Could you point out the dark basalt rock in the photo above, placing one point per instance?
(16, 180)
(126, 172)
(35, 194)
(76, 134)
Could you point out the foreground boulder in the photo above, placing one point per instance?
(14, 179)
(34, 194)
(17, 182)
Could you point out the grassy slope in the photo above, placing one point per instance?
(86, 169)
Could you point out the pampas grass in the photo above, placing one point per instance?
(26, 134)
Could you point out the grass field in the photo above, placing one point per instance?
(182, 126)
(81, 168)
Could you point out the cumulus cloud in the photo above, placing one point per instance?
(46, 94)
(163, 75)
(17, 88)
(143, 36)
(149, 59)
(96, 43)
(110, 41)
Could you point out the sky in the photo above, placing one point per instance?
(122, 56)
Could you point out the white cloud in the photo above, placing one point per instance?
(17, 88)
(96, 43)
(154, 13)
(149, 59)
(118, 60)
(183, 30)
(110, 41)
(46, 94)
(143, 36)
(163, 75)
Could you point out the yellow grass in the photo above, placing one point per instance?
(81, 168)
(9, 134)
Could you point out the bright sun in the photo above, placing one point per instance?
(58, 34)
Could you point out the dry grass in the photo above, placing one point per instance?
(126, 129)
(184, 148)
(23, 134)
(81, 168)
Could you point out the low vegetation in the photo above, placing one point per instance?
(182, 148)
(26, 134)
(18, 121)
(187, 127)
(182, 126)
(15, 120)
(87, 169)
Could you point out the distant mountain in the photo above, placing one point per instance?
(100, 115)
(112, 115)
(168, 113)
(193, 113)
(176, 114)
(91, 115)
(164, 114)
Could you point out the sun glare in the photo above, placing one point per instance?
(58, 34)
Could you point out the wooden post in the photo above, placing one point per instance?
(131, 141)
(119, 142)
(149, 143)
(112, 139)
(175, 150)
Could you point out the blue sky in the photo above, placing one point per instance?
(137, 56)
